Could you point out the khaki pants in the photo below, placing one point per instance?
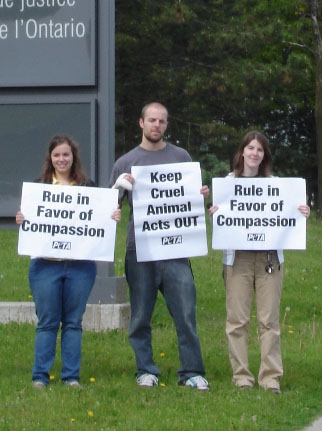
(245, 277)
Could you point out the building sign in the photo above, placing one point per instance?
(47, 43)
(27, 129)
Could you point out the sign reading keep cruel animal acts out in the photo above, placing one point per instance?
(67, 222)
(259, 213)
(169, 215)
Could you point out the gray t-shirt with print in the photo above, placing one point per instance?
(141, 157)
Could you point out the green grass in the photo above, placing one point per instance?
(115, 400)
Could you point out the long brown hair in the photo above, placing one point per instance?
(264, 169)
(77, 174)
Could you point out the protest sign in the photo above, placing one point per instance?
(67, 222)
(169, 215)
(258, 213)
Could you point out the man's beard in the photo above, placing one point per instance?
(153, 140)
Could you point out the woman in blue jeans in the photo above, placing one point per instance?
(60, 288)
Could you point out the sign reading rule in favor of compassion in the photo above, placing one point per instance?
(259, 213)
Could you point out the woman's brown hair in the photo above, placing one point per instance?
(264, 169)
(77, 174)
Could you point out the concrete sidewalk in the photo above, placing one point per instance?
(97, 317)
(315, 426)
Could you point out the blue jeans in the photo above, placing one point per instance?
(175, 281)
(60, 290)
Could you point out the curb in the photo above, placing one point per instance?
(97, 317)
(315, 426)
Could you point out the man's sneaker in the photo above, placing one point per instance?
(147, 380)
(38, 384)
(73, 384)
(197, 382)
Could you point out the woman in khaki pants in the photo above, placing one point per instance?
(246, 272)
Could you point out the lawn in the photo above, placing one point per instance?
(113, 402)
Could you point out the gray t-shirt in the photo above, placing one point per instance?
(141, 157)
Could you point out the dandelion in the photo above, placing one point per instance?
(291, 332)
(92, 379)
(29, 296)
(162, 355)
(162, 385)
(72, 420)
(52, 378)
(90, 414)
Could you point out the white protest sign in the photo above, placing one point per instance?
(67, 222)
(169, 215)
(259, 213)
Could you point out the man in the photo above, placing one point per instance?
(172, 277)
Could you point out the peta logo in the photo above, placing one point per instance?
(169, 240)
(62, 245)
(256, 237)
